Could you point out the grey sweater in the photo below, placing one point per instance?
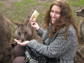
(55, 47)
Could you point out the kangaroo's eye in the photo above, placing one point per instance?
(19, 33)
(25, 32)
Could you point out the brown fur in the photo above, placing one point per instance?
(80, 13)
(80, 51)
(5, 36)
(24, 31)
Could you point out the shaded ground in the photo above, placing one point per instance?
(9, 4)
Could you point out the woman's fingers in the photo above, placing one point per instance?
(16, 40)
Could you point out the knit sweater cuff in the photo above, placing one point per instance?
(33, 43)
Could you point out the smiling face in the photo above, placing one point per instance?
(55, 13)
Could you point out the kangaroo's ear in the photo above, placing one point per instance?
(16, 23)
(27, 21)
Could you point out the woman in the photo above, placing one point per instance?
(61, 36)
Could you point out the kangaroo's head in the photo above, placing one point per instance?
(23, 31)
(80, 12)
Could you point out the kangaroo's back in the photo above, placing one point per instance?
(5, 36)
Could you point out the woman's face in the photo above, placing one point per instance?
(55, 13)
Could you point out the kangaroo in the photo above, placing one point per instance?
(5, 36)
(80, 13)
(24, 31)
(80, 51)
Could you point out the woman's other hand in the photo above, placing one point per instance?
(34, 24)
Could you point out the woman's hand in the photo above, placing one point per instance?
(34, 24)
(21, 43)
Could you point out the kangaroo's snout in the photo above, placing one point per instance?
(24, 31)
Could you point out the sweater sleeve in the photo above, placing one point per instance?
(57, 48)
(40, 32)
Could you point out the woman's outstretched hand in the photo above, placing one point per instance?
(21, 43)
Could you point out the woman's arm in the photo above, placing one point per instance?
(57, 48)
(39, 30)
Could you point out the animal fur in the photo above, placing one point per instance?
(80, 13)
(5, 36)
(24, 31)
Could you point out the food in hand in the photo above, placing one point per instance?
(34, 16)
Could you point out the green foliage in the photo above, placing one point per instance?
(1, 4)
(40, 17)
(47, 5)
(22, 3)
(27, 2)
(35, 3)
(76, 2)
(21, 8)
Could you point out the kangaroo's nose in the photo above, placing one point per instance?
(76, 12)
(22, 40)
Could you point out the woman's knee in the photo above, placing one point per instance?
(19, 60)
(18, 51)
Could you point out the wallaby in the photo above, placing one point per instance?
(24, 31)
(5, 36)
(80, 13)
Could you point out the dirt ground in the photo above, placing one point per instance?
(9, 3)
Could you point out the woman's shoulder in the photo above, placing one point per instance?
(71, 29)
